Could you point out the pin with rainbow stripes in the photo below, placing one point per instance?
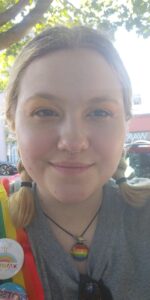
(11, 258)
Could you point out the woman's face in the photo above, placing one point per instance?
(70, 123)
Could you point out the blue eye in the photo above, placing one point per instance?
(46, 113)
(99, 113)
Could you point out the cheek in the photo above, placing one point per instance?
(35, 143)
(109, 142)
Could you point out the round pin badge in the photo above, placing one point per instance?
(12, 291)
(11, 258)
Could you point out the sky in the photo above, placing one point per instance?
(135, 53)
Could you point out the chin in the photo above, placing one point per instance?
(71, 197)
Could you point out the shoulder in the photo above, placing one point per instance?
(132, 224)
(136, 216)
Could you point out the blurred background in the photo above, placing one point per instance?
(126, 22)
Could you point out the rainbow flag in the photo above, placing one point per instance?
(28, 277)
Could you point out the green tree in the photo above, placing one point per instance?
(16, 20)
(18, 25)
(19, 18)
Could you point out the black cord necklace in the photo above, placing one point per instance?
(79, 251)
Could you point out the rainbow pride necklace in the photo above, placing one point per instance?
(80, 250)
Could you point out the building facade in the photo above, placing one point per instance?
(139, 128)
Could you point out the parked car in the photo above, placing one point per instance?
(138, 154)
(7, 169)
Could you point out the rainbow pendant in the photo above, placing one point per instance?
(79, 251)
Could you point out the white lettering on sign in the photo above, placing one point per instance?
(136, 136)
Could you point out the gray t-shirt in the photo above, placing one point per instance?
(120, 252)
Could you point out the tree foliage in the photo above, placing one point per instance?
(17, 17)
(18, 29)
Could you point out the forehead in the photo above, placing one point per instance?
(67, 72)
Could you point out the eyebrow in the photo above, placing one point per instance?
(104, 98)
(43, 96)
(98, 99)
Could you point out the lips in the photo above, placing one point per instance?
(71, 165)
(71, 168)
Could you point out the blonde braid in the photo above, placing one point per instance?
(21, 203)
(136, 191)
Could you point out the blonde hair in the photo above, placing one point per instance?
(21, 203)
(51, 40)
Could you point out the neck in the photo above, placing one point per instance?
(71, 214)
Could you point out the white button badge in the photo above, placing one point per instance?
(11, 258)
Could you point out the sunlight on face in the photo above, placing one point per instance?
(70, 123)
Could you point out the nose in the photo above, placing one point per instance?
(73, 137)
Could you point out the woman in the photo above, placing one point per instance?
(69, 103)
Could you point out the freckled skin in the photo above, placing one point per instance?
(70, 128)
